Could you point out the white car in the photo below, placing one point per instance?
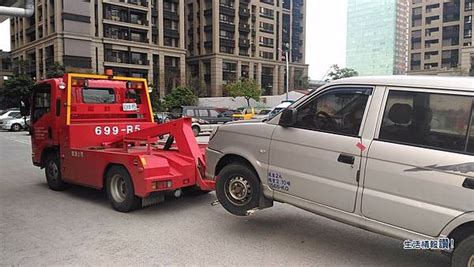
(9, 113)
(393, 155)
(15, 124)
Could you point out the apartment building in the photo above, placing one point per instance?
(5, 67)
(377, 36)
(233, 39)
(133, 37)
(441, 37)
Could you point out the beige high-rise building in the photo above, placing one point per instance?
(133, 37)
(233, 39)
(441, 37)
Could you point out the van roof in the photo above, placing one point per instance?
(437, 82)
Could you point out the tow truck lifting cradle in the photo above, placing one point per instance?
(98, 131)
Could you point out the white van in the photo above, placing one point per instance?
(394, 155)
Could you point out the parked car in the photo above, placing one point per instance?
(262, 114)
(162, 117)
(9, 113)
(245, 114)
(206, 114)
(393, 155)
(15, 124)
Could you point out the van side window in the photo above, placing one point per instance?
(426, 119)
(190, 112)
(203, 113)
(337, 111)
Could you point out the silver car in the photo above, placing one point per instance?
(393, 155)
(15, 124)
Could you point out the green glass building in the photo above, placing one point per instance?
(377, 36)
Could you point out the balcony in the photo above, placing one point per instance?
(227, 26)
(244, 42)
(172, 33)
(171, 15)
(227, 42)
(142, 3)
(244, 12)
(244, 2)
(227, 10)
(244, 27)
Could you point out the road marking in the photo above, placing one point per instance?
(18, 141)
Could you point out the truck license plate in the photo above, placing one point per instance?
(129, 106)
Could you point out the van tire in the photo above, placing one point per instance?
(238, 189)
(120, 190)
(52, 171)
(196, 130)
(463, 254)
(16, 127)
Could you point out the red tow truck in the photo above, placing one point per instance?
(98, 131)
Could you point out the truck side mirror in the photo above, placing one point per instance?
(25, 106)
(288, 117)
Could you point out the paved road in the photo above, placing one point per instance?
(77, 227)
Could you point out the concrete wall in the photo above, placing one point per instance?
(231, 103)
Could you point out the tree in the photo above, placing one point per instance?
(55, 71)
(15, 89)
(338, 73)
(246, 88)
(179, 96)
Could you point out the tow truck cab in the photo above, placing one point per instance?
(88, 128)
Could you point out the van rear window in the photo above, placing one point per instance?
(98, 96)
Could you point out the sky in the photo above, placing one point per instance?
(325, 35)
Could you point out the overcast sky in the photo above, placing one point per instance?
(325, 35)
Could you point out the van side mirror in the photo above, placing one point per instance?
(288, 117)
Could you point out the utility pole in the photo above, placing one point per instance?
(286, 50)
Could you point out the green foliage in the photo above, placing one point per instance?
(155, 98)
(246, 88)
(15, 89)
(338, 73)
(55, 71)
(179, 96)
(301, 82)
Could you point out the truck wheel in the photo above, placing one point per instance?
(52, 170)
(463, 255)
(238, 189)
(15, 127)
(196, 130)
(120, 191)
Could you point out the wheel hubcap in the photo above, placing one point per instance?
(52, 170)
(471, 262)
(238, 191)
(118, 188)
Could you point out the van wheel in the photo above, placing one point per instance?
(463, 255)
(196, 130)
(120, 191)
(15, 127)
(238, 189)
(52, 171)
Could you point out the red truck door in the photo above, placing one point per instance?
(41, 119)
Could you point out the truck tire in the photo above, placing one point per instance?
(463, 255)
(15, 127)
(238, 189)
(120, 191)
(196, 130)
(52, 171)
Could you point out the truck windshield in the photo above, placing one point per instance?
(98, 96)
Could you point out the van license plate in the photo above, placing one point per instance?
(129, 106)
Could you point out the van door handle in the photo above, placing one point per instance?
(346, 159)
